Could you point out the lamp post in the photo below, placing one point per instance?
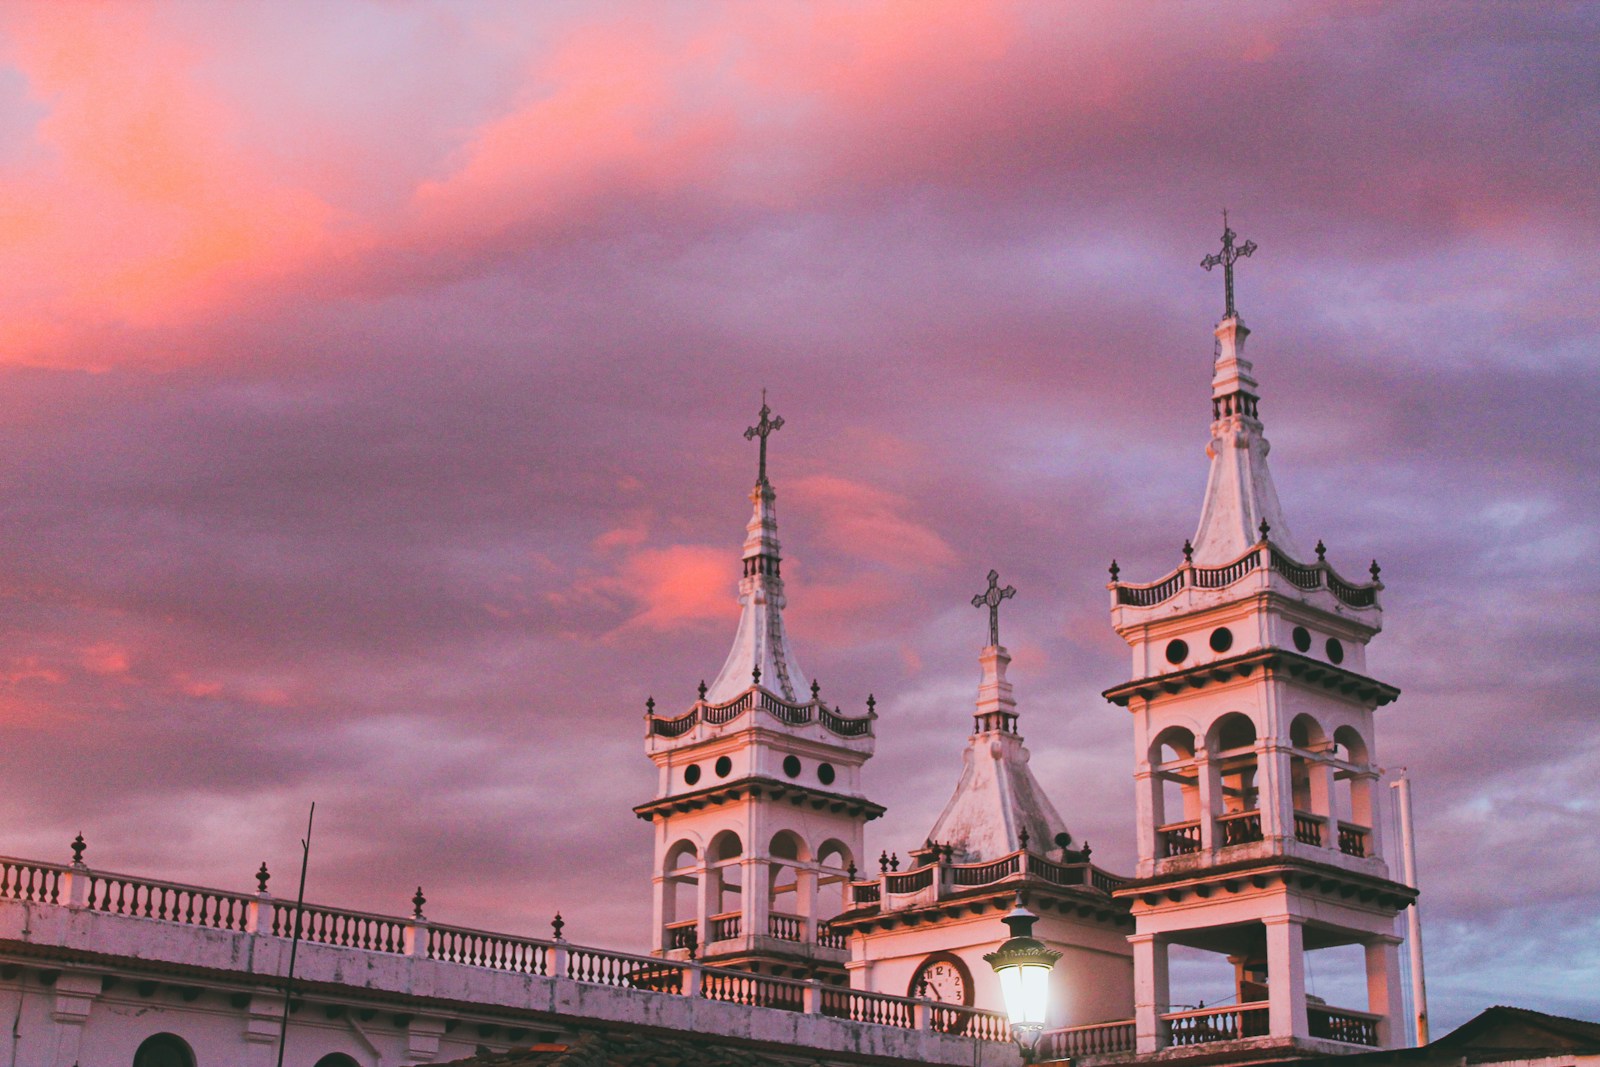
(1023, 966)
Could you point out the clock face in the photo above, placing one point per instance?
(946, 978)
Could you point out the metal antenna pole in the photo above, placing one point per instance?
(294, 943)
(1408, 846)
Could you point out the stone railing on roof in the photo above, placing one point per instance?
(267, 926)
(758, 699)
(1264, 558)
(929, 882)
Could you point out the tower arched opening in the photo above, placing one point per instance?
(1234, 761)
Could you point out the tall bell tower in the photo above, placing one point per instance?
(1260, 817)
(759, 813)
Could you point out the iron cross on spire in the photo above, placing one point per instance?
(1226, 259)
(763, 430)
(990, 598)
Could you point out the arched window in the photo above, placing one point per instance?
(680, 905)
(337, 1059)
(164, 1050)
(833, 883)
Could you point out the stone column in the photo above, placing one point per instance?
(756, 896)
(709, 892)
(1151, 991)
(263, 1022)
(1286, 976)
(1147, 787)
(805, 893)
(1385, 989)
(75, 997)
(1275, 798)
(1321, 774)
(1209, 781)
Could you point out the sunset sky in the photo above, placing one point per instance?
(375, 375)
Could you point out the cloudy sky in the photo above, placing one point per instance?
(374, 380)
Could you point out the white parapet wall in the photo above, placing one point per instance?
(85, 985)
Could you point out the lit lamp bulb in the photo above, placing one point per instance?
(1023, 966)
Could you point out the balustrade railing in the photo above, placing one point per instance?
(753, 990)
(496, 952)
(681, 935)
(845, 726)
(348, 929)
(911, 881)
(865, 892)
(983, 873)
(827, 937)
(786, 927)
(1342, 1024)
(261, 915)
(1095, 1039)
(1353, 839)
(868, 1007)
(147, 899)
(1301, 575)
(38, 883)
(725, 927)
(1179, 838)
(785, 712)
(1206, 1025)
(1308, 828)
(1240, 828)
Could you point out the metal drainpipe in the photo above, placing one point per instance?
(1419, 991)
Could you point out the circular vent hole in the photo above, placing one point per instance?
(825, 773)
(1302, 639)
(1221, 639)
(1335, 650)
(1177, 651)
(691, 774)
(791, 766)
(724, 766)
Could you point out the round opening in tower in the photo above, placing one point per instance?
(825, 773)
(691, 774)
(1221, 639)
(1177, 651)
(791, 766)
(1335, 650)
(1302, 639)
(724, 766)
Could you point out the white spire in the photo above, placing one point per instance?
(997, 797)
(761, 642)
(1239, 491)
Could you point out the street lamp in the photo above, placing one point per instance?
(1023, 966)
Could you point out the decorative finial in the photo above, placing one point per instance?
(1226, 259)
(1086, 850)
(764, 429)
(78, 846)
(816, 690)
(691, 941)
(1322, 551)
(416, 904)
(894, 861)
(1188, 552)
(850, 871)
(755, 675)
(872, 705)
(649, 706)
(990, 598)
(702, 689)
(558, 924)
(1265, 528)
(1374, 570)
(883, 861)
(1022, 835)
(263, 877)
(1115, 570)
(922, 988)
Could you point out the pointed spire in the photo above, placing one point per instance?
(1240, 496)
(761, 652)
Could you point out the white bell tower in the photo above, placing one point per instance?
(1260, 817)
(758, 813)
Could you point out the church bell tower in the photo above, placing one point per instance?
(1260, 817)
(759, 812)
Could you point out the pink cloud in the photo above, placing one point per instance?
(871, 523)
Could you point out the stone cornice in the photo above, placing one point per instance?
(1262, 874)
(1273, 662)
(757, 787)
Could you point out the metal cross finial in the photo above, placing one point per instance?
(1226, 259)
(990, 598)
(763, 430)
